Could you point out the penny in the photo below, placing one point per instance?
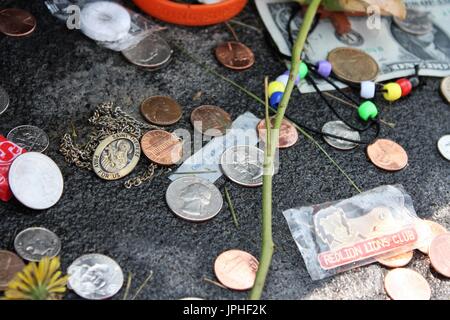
(444, 146)
(16, 22)
(152, 52)
(36, 180)
(416, 22)
(445, 88)
(161, 110)
(236, 269)
(235, 55)
(440, 254)
(288, 135)
(194, 199)
(427, 233)
(396, 261)
(33, 244)
(210, 120)
(30, 138)
(116, 156)
(95, 276)
(353, 65)
(340, 129)
(10, 264)
(162, 147)
(406, 284)
(4, 100)
(387, 155)
(243, 165)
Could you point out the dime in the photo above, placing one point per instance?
(36, 181)
(30, 138)
(353, 65)
(33, 244)
(95, 276)
(152, 52)
(427, 233)
(16, 22)
(210, 120)
(416, 22)
(387, 155)
(340, 129)
(194, 199)
(236, 269)
(4, 100)
(396, 261)
(235, 55)
(406, 284)
(440, 254)
(161, 110)
(445, 88)
(243, 165)
(116, 156)
(10, 264)
(288, 134)
(444, 146)
(162, 147)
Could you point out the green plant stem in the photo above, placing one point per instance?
(230, 205)
(267, 245)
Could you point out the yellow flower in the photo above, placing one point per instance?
(43, 281)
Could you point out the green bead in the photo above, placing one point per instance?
(303, 70)
(367, 110)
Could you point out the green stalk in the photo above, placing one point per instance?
(267, 245)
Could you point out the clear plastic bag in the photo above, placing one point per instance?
(337, 236)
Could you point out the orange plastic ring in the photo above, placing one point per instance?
(192, 14)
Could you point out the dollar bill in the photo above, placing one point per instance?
(396, 51)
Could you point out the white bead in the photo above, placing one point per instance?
(367, 89)
(283, 79)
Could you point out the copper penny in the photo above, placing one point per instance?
(161, 110)
(406, 284)
(16, 22)
(427, 231)
(288, 134)
(236, 269)
(162, 147)
(10, 264)
(210, 120)
(440, 254)
(387, 154)
(399, 260)
(235, 55)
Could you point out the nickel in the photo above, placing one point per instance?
(161, 110)
(340, 129)
(387, 155)
(33, 244)
(152, 52)
(288, 135)
(162, 147)
(440, 254)
(4, 100)
(210, 120)
(445, 88)
(235, 55)
(30, 138)
(406, 284)
(444, 146)
(10, 264)
(16, 22)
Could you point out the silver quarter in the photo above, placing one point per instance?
(340, 129)
(194, 199)
(33, 244)
(416, 22)
(36, 181)
(444, 146)
(4, 100)
(152, 52)
(30, 138)
(243, 165)
(95, 277)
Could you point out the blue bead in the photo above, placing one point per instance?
(275, 99)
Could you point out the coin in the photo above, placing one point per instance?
(399, 260)
(30, 138)
(194, 199)
(288, 135)
(444, 146)
(427, 233)
(353, 65)
(161, 110)
(340, 129)
(235, 55)
(116, 156)
(416, 22)
(4, 100)
(162, 147)
(440, 254)
(445, 88)
(16, 22)
(406, 284)
(10, 264)
(95, 276)
(236, 269)
(36, 181)
(35, 243)
(243, 165)
(387, 155)
(210, 120)
(152, 52)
